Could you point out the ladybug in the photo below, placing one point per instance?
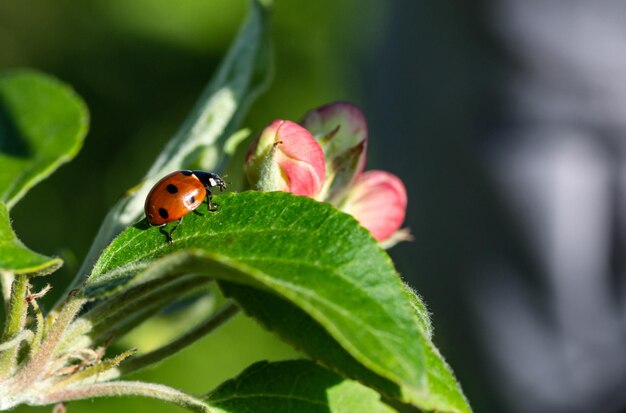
(179, 193)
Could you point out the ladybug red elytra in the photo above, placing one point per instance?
(179, 193)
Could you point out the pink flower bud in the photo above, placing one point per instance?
(337, 126)
(341, 130)
(377, 200)
(286, 158)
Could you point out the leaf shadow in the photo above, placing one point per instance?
(12, 140)
(142, 225)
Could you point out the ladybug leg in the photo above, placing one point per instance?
(211, 206)
(166, 233)
(169, 234)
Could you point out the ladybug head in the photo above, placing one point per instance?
(210, 179)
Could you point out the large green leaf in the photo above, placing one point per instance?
(308, 336)
(244, 73)
(293, 386)
(15, 258)
(42, 125)
(309, 255)
(443, 393)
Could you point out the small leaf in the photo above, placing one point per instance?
(306, 254)
(16, 258)
(294, 386)
(95, 369)
(42, 125)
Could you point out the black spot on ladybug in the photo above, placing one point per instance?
(163, 213)
(171, 188)
(192, 199)
(186, 173)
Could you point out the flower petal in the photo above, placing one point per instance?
(341, 130)
(337, 126)
(378, 201)
(286, 157)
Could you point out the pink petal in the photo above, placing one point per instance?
(286, 157)
(378, 201)
(301, 177)
(302, 159)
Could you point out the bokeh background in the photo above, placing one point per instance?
(502, 117)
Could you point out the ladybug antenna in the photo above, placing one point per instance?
(226, 183)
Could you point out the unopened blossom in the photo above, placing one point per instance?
(341, 130)
(287, 158)
(324, 158)
(378, 200)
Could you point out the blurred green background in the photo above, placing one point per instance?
(421, 71)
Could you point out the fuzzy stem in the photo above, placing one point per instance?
(116, 315)
(16, 319)
(23, 335)
(6, 279)
(193, 335)
(34, 347)
(18, 307)
(37, 364)
(148, 298)
(128, 388)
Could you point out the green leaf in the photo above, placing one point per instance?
(300, 330)
(17, 264)
(443, 393)
(243, 75)
(42, 125)
(15, 258)
(293, 386)
(319, 261)
(420, 311)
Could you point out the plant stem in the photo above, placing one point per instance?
(193, 335)
(16, 319)
(21, 336)
(128, 388)
(37, 364)
(6, 279)
(34, 347)
(143, 300)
